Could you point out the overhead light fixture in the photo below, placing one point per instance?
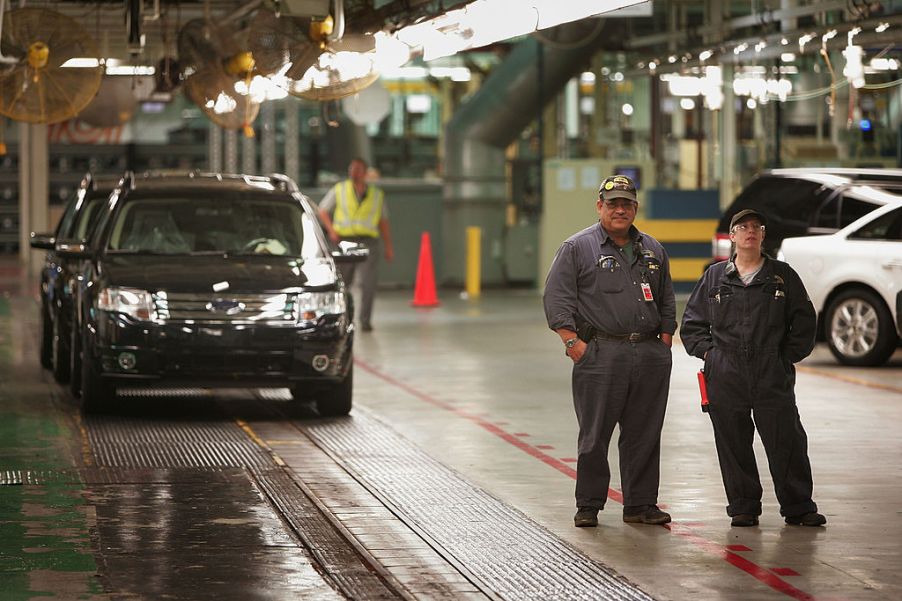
(682, 85)
(882, 27)
(712, 87)
(687, 104)
(705, 55)
(788, 57)
(884, 64)
(132, 70)
(854, 69)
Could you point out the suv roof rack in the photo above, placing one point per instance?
(288, 183)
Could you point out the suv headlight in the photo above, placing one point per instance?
(133, 302)
(313, 305)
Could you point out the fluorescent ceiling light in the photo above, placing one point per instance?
(130, 70)
(82, 63)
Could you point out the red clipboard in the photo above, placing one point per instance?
(703, 389)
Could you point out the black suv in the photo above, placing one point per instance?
(58, 273)
(216, 281)
(802, 202)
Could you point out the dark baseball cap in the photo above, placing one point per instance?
(617, 186)
(747, 213)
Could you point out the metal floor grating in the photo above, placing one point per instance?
(508, 553)
(124, 442)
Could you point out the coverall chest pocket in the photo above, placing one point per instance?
(720, 300)
(651, 268)
(609, 275)
(775, 301)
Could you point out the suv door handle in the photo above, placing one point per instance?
(891, 264)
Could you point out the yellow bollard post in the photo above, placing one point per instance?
(474, 259)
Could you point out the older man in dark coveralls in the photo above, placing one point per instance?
(750, 319)
(611, 284)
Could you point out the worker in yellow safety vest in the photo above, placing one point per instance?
(355, 211)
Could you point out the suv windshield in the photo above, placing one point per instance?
(197, 225)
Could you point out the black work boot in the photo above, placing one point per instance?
(812, 518)
(586, 517)
(744, 520)
(645, 514)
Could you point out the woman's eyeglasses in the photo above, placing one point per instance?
(745, 227)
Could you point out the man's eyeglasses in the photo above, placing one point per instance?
(745, 227)
(621, 203)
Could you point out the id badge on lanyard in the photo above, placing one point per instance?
(646, 292)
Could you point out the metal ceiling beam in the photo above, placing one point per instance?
(759, 18)
(867, 37)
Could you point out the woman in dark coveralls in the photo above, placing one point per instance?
(750, 319)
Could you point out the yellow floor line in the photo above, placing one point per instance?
(260, 442)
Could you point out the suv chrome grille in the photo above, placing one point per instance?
(237, 308)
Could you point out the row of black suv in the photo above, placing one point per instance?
(203, 279)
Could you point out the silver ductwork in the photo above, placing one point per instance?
(483, 127)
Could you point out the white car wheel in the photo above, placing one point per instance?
(860, 329)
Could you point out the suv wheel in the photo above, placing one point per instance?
(336, 399)
(61, 357)
(860, 329)
(97, 395)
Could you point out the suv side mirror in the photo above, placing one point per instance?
(350, 252)
(42, 241)
(72, 249)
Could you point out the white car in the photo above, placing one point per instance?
(854, 278)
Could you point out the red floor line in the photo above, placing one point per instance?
(527, 448)
(761, 574)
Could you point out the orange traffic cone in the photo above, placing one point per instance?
(424, 291)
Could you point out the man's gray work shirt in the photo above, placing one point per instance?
(592, 277)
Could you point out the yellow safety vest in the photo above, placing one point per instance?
(355, 218)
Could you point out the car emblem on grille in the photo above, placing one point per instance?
(227, 306)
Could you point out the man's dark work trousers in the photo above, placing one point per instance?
(620, 383)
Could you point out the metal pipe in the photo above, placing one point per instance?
(156, 12)
(8, 60)
(478, 133)
(339, 30)
(241, 11)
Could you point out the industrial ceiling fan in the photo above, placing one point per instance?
(315, 59)
(50, 68)
(220, 67)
